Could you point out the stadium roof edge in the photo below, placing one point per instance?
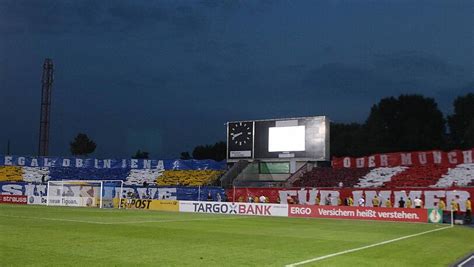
(277, 119)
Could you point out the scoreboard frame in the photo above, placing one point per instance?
(248, 139)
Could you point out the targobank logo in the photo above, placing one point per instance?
(215, 208)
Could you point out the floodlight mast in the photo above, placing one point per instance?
(47, 87)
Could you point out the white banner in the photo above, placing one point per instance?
(37, 200)
(259, 209)
(72, 201)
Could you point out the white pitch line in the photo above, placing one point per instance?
(125, 222)
(364, 247)
(52, 219)
(183, 220)
(465, 261)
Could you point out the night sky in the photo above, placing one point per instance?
(165, 76)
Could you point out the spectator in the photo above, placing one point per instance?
(350, 201)
(409, 203)
(219, 198)
(468, 216)
(328, 200)
(262, 199)
(250, 199)
(441, 205)
(454, 207)
(401, 203)
(361, 202)
(295, 201)
(209, 196)
(341, 185)
(376, 201)
(388, 203)
(418, 203)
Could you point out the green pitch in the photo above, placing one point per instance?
(38, 235)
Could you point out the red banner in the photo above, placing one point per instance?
(430, 196)
(417, 158)
(14, 199)
(359, 213)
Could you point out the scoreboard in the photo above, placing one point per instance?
(303, 139)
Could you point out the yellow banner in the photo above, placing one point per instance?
(149, 204)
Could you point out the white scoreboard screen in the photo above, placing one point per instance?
(300, 138)
(288, 138)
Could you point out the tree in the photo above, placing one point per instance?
(348, 140)
(216, 152)
(460, 121)
(82, 145)
(185, 156)
(469, 136)
(141, 155)
(409, 122)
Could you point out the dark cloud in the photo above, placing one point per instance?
(171, 73)
(387, 74)
(59, 17)
(340, 78)
(412, 63)
(90, 16)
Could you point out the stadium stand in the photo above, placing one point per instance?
(202, 173)
(10, 173)
(136, 172)
(329, 177)
(138, 177)
(189, 177)
(378, 176)
(67, 173)
(401, 176)
(462, 174)
(35, 174)
(421, 176)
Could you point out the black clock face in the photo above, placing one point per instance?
(240, 134)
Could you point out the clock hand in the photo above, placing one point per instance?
(236, 135)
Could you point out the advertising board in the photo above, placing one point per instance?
(71, 201)
(259, 209)
(359, 213)
(13, 199)
(148, 204)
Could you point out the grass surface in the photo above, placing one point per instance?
(39, 235)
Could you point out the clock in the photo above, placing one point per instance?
(240, 134)
(240, 140)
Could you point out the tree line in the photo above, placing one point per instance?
(406, 123)
(83, 145)
(403, 123)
